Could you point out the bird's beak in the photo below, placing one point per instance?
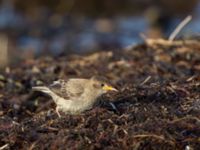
(109, 88)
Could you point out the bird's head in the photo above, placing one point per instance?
(101, 86)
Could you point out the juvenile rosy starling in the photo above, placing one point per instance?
(74, 96)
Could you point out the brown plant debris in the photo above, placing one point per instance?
(157, 106)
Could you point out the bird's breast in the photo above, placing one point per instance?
(75, 106)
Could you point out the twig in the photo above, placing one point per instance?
(191, 78)
(32, 146)
(153, 42)
(185, 119)
(4, 146)
(146, 80)
(159, 137)
(179, 27)
(149, 135)
(170, 41)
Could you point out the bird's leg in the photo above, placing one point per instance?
(57, 111)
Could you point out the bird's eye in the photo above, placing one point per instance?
(102, 84)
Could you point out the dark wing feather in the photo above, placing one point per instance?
(68, 89)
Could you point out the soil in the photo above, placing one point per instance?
(157, 106)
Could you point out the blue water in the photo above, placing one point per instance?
(56, 33)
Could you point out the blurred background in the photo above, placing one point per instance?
(57, 27)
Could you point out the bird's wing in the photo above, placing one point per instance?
(70, 89)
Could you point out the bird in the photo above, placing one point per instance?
(75, 95)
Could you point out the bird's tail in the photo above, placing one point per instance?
(45, 90)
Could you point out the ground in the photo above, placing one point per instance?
(157, 106)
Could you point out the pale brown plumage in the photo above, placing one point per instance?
(75, 95)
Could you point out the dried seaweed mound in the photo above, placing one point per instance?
(157, 106)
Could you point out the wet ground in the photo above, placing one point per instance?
(157, 106)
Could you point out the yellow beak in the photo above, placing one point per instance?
(109, 88)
